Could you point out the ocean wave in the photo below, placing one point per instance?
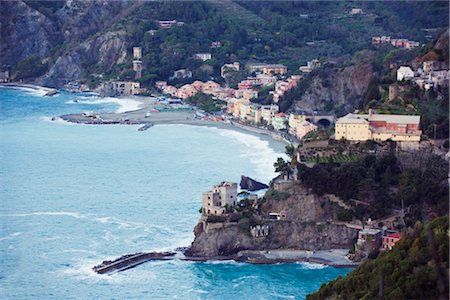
(311, 266)
(37, 91)
(56, 120)
(10, 236)
(257, 151)
(125, 104)
(103, 220)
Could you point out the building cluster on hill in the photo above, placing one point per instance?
(431, 75)
(372, 240)
(378, 127)
(401, 43)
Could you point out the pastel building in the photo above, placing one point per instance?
(216, 201)
(279, 121)
(405, 73)
(390, 240)
(186, 91)
(268, 112)
(294, 121)
(304, 128)
(378, 127)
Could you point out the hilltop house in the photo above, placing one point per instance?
(405, 73)
(390, 240)
(216, 201)
(228, 67)
(378, 127)
(203, 56)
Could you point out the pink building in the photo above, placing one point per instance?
(390, 240)
(198, 85)
(245, 85)
(304, 128)
(186, 91)
(210, 86)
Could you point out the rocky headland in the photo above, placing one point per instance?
(288, 217)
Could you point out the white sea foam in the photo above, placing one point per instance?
(37, 91)
(56, 120)
(257, 151)
(125, 104)
(311, 266)
(149, 228)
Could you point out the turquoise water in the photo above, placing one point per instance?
(74, 195)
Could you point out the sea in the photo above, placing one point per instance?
(74, 195)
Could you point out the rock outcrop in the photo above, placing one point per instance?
(339, 88)
(250, 184)
(309, 224)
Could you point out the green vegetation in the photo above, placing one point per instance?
(204, 101)
(417, 268)
(385, 181)
(30, 67)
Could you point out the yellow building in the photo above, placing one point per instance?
(378, 127)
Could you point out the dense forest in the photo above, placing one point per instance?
(416, 268)
(417, 180)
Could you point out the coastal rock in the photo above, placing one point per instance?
(310, 224)
(250, 184)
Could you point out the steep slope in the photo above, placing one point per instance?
(417, 268)
(308, 226)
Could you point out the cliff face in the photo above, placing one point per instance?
(24, 32)
(337, 87)
(75, 35)
(308, 225)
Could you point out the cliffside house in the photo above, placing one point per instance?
(216, 201)
(310, 65)
(369, 237)
(215, 44)
(202, 56)
(279, 121)
(210, 86)
(389, 240)
(378, 127)
(405, 73)
(246, 94)
(120, 88)
(355, 11)
(229, 67)
(304, 128)
(198, 85)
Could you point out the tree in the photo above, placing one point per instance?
(282, 167)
